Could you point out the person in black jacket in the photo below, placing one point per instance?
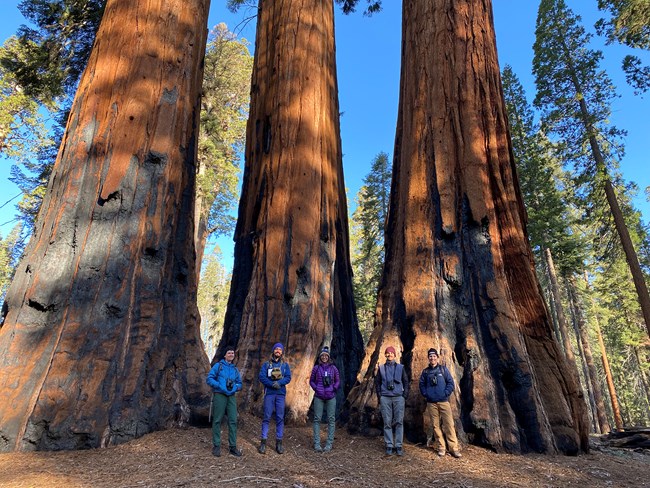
(436, 385)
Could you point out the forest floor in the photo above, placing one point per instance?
(182, 457)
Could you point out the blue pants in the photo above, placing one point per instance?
(273, 403)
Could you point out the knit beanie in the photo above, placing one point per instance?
(390, 349)
(432, 351)
(278, 345)
(325, 350)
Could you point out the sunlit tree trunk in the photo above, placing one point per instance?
(559, 309)
(592, 377)
(459, 274)
(292, 275)
(616, 409)
(100, 342)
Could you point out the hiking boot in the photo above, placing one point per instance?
(431, 443)
(216, 451)
(389, 451)
(441, 453)
(278, 446)
(235, 452)
(317, 448)
(399, 451)
(456, 454)
(262, 448)
(327, 448)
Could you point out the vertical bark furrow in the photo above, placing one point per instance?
(114, 351)
(458, 274)
(292, 273)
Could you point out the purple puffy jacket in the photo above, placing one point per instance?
(317, 380)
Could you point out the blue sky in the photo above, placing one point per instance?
(368, 55)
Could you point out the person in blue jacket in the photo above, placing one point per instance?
(275, 375)
(225, 381)
(436, 386)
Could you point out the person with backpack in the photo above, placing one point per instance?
(436, 386)
(225, 381)
(392, 387)
(325, 382)
(275, 375)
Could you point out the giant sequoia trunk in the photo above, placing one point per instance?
(292, 275)
(459, 274)
(100, 342)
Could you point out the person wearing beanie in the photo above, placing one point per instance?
(392, 387)
(436, 386)
(325, 381)
(275, 375)
(225, 381)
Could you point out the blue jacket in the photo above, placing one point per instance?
(444, 387)
(218, 376)
(265, 377)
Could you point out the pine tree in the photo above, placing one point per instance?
(224, 110)
(367, 238)
(575, 97)
(212, 298)
(628, 24)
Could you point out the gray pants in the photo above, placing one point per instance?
(392, 411)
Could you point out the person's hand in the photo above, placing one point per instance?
(276, 385)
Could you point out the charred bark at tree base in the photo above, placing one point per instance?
(459, 275)
(292, 273)
(100, 342)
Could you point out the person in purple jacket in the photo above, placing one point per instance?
(325, 382)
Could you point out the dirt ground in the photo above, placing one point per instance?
(183, 458)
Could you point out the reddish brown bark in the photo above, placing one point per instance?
(292, 275)
(100, 342)
(459, 274)
(616, 409)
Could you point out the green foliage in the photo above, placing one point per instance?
(226, 87)
(628, 24)
(11, 249)
(212, 299)
(54, 55)
(22, 126)
(367, 240)
(573, 93)
(348, 6)
(625, 335)
(544, 189)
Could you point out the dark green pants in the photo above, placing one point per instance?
(224, 404)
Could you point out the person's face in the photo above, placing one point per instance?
(433, 359)
(230, 355)
(277, 352)
(324, 358)
(390, 356)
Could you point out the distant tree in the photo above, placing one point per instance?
(367, 227)
(212, 298)
(575, 97)
(10, 252)
(628, 24)
(224, 110)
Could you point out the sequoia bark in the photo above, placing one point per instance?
(292, 274)
(100, 342)
(459, 274)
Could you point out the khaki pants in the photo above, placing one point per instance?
(440, 413)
